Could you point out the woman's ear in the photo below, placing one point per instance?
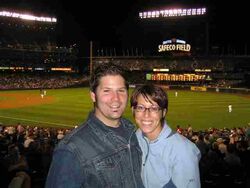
(133, 111)
(164, 112)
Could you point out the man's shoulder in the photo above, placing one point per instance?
(80, 134)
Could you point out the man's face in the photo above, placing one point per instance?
(110, 99)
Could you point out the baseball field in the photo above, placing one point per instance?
(70, 107)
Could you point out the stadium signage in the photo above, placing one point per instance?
(176, 12)
(194, 88)
(175, 77)
(161, 70)
(174, 45)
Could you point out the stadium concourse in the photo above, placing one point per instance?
(26, 155)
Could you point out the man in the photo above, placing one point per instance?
(169, 159)
(230, 108)
(176, 94)
(42, 93)
(104, 151)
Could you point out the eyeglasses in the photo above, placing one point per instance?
(152, 109)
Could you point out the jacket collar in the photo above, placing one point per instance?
(165, 132)
(102, 129)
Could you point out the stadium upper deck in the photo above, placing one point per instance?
(22, 30)
(29, 43)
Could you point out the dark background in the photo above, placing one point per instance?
(115, 23)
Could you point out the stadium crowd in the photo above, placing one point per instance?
(64, 80)
(26, 152)
(37, 81)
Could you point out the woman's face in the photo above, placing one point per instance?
(148, 116)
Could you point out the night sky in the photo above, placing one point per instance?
(115, 24)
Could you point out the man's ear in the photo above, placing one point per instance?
(92, 95)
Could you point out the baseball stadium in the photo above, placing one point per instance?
(44, 91)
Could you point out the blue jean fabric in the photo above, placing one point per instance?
(95, 156)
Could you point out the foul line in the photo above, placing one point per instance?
(44, 122)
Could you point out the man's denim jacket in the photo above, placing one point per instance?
(94, 156)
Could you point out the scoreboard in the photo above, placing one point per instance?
(175, 77)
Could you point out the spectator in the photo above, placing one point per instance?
(169, 159)
(104, 151)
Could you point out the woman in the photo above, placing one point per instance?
(169, 159)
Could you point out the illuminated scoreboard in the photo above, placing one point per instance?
(175, 77)
(169, 13)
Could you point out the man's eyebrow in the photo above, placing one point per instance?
(123, 88)
(108, 87)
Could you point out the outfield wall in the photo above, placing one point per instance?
(213, 89)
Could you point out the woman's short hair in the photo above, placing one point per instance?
(151, 93)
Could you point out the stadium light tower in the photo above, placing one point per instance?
(169, 13)
(27, 16)
(91, 59)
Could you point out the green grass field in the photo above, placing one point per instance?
(71, 106)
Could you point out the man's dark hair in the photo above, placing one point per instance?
(104, 70)
(150, 92)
